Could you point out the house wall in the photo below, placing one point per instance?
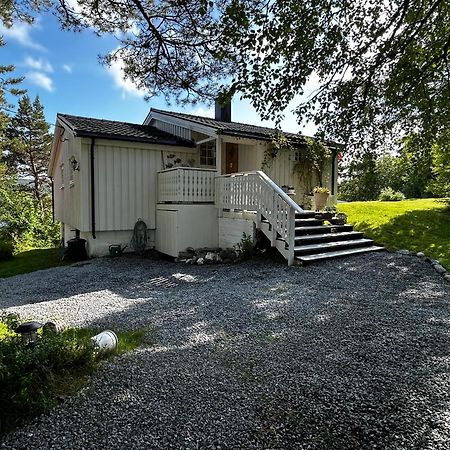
(67, 182)
(100, 245)
(281, 169)
(233, 225)
(125, 188)
(182, 226)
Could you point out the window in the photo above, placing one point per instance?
(208, 154)
(297, 155)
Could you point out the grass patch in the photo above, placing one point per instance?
(417, 225)
(34, 380)
(30, 261)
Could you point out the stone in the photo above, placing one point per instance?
(421, 255)
(210, 256)
(439, 269)
(200, 261)
(404, 252)
(447, 277)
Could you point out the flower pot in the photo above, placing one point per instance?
(320, 200)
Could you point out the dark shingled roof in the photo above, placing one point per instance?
(110, 129)
(233, 128)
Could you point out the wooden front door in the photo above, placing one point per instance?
(231, 158)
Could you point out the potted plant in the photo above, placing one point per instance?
(339, 219)
(320, 197)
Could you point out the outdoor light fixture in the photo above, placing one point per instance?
(28, 331)
(74, 163)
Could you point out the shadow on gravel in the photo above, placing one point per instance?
(351, 354)
(351, 358)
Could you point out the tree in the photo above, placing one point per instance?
(29, 149)
(415, 165)
(382, 67)
(361, 179)
(440, 152)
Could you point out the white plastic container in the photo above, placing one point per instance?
(106, 341)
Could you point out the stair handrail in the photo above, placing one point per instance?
(271, 183)
(280, 214)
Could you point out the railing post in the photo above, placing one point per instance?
(291, 236)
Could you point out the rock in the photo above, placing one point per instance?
(404, 252)
(421, 255)
(53, 327)
(210, 256)
(200, 261)
(439, 269)
(447, 277)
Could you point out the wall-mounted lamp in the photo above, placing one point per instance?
(74, 163)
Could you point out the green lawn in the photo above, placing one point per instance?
(30, 261)
(416, 225)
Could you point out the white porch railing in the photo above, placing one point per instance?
(186, 185)
(255, 191)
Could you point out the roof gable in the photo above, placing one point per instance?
(233, 128)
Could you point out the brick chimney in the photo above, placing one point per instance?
(223, 112)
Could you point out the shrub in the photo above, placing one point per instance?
(389, 195)
(6, 251)
(246, 248)
(33, 380)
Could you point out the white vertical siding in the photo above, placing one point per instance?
(67, 193)
(173, 129)
(125, 185)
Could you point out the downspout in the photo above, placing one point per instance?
(92, 188)
(333, 170)
(53, 199)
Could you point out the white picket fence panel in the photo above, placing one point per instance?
(186, 185)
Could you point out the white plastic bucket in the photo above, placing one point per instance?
(106, 341)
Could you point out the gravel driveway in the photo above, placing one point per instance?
(347, 354)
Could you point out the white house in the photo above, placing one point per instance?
(194, 181)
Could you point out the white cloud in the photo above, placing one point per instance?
(125, 85)
(67, 68)
(20, 32)
(38, 64)
(41, 80)
(204, 112)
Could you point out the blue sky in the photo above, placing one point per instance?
(63, 68)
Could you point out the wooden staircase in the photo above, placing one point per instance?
(300, 236)
(315, 241)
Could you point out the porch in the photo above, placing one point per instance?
(194, 207)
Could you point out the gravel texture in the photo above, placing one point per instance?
(346, 354)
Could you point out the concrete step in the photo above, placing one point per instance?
(322, 229)
(337, 254)
(328, 237)
(331, 246)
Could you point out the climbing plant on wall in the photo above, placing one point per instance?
(312, 158)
